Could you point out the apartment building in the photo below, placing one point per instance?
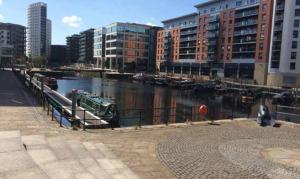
(38, 31)
(58, 55)
(72, 49)
(99, 47)
(229, 38)
(86, 47)
(6, 49)
(284, 66)
(16, 37)
(126, 46)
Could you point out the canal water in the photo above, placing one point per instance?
(153, 105)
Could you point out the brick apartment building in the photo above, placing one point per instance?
(247, 39)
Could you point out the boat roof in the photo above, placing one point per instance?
(96, 99)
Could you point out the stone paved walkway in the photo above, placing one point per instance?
(32, 146)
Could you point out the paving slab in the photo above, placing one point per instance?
(19, 160)
(42, 156)
(63, 169)
(85, 176)
(10, 144)
(9, 134)
(32, 173)
(34, 140)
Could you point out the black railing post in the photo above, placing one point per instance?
(48, 111)
(167, 120)
(84, 119)
(61, 116)
(44, 105)
(140, 120)
(192, 111)
(232, 108)
(52, 112)
(276, 113)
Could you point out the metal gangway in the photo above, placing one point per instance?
(63, 105)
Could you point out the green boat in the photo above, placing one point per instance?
(103, 108)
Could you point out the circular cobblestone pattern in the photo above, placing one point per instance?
(233, 150)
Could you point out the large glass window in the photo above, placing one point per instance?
(295, 34)
(294, 44)
(297, 2)
(293, 66)
(293, 55)
(297, 12)
(296, 23)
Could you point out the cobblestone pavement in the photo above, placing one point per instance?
(231, 150)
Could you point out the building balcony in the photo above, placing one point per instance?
(187, 47)
(188, 39)
(280, 7)
(246, 14)
(191, 52)
(212, 42)
(188, 32)
(279, 18)
(212, 19)
(212, 27)
(278, 28)
(246, 23)
(243, 50)
(212, 35)
(242, 41)
(245, 32)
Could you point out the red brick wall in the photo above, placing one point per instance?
(225, 41)
(202, 40)
(264, 33)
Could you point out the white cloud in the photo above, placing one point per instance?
(1, 17)
(151, 24)
(72, 21)
(1, 1)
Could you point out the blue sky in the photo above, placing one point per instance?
(72, 16)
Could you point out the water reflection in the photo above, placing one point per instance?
(159, 104)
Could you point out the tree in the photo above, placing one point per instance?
(38, 61)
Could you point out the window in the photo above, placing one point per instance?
(296, 23)
(297, 2)
(263, 27)
(264, 8)
(293, 55)
(293, 66)
(297, 12)
(295, 34)
(261, 46)
(239, 3)
(294, 44)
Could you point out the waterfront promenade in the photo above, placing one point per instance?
(33, 146)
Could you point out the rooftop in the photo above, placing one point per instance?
(180, 17)
(208, 3)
